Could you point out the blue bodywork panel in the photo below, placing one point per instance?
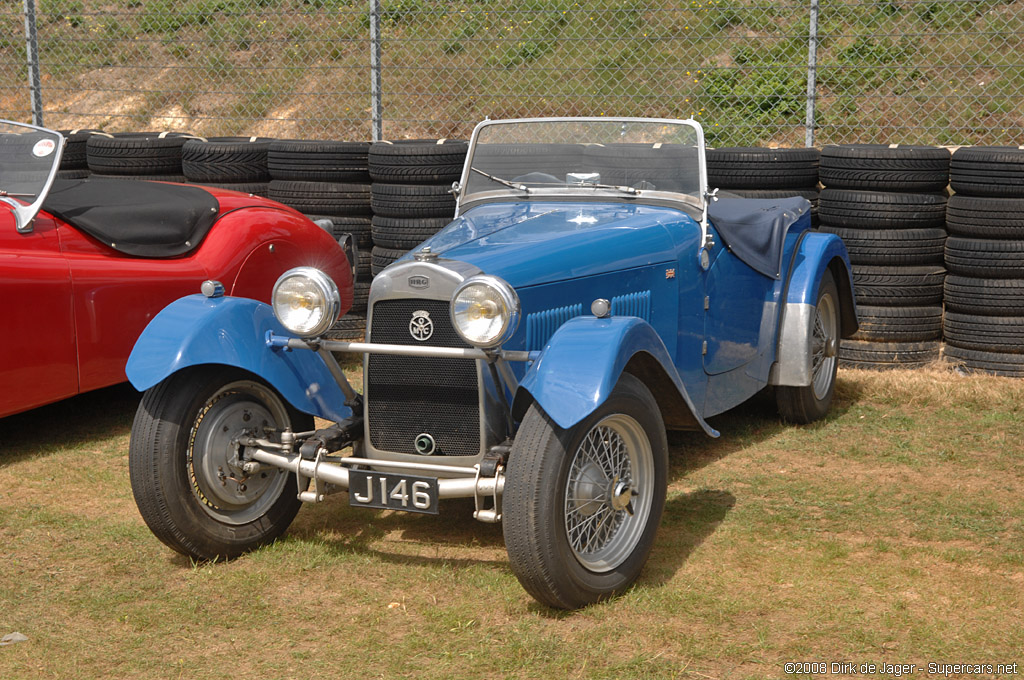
(581, 364)
(560, 256)
(534, 243)
(230, 331)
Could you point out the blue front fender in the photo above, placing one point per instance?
(231, 331)
(579, 366)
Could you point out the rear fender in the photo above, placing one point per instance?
(230, 331)
(580, 365)
(817, 253)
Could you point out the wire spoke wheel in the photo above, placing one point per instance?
(608, 493)
(582, 504)
(824, 344)
(807, 403)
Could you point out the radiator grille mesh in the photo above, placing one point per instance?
(409, 396)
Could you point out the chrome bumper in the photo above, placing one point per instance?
(486, 491)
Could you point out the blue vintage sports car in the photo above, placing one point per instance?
(590, 293)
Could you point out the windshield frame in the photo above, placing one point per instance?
(25, 214)
(694, 205)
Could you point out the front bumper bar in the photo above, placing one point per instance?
(469, 483)
(398, 350)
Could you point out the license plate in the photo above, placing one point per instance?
(392, 492)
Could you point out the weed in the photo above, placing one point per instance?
(537, 36)
(66, 11)
(318, 4)
(867, 63)
(625, 18)
(951, 15)
(725, 17)
(468, 27)
(180, 51)
(395, 12)
(242, 32)
(219, 65)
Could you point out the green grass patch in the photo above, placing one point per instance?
(893, 529)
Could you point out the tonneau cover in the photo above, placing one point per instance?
(754, 229)
(148, 219)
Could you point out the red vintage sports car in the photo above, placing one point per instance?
(85, 264)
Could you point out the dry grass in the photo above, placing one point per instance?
(891, 532)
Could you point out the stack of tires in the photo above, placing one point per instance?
(754, 172)
(412, 198)
(984, 323)
(888, 204)
(328, 180)
(234, 163)
(137, 155)
(74, 163)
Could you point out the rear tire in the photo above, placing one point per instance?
(811, 402)
(185, 476)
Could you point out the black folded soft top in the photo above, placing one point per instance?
(754, 229)
(147, 219)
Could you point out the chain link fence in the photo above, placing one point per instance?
(754, 73)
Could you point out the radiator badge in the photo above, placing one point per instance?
(421, 327)
(419, 282)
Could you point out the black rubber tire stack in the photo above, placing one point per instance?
(328, 180)
(984, 322)
(234, 163)
(888, 204)
(412, 197)
(137, 155)
(755, 172)
(74, 163)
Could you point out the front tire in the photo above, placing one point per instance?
(581, 506)
(186, 472)
(807, 404)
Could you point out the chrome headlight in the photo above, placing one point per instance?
(485, 311)
(306, 301)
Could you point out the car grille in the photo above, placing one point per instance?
(409, 396)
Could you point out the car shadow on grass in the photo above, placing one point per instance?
(689, 519)
(346, 529)
(752, 422)
(69, 423)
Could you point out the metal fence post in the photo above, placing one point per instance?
(812, 74)
(32, 54)
(376, 105)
